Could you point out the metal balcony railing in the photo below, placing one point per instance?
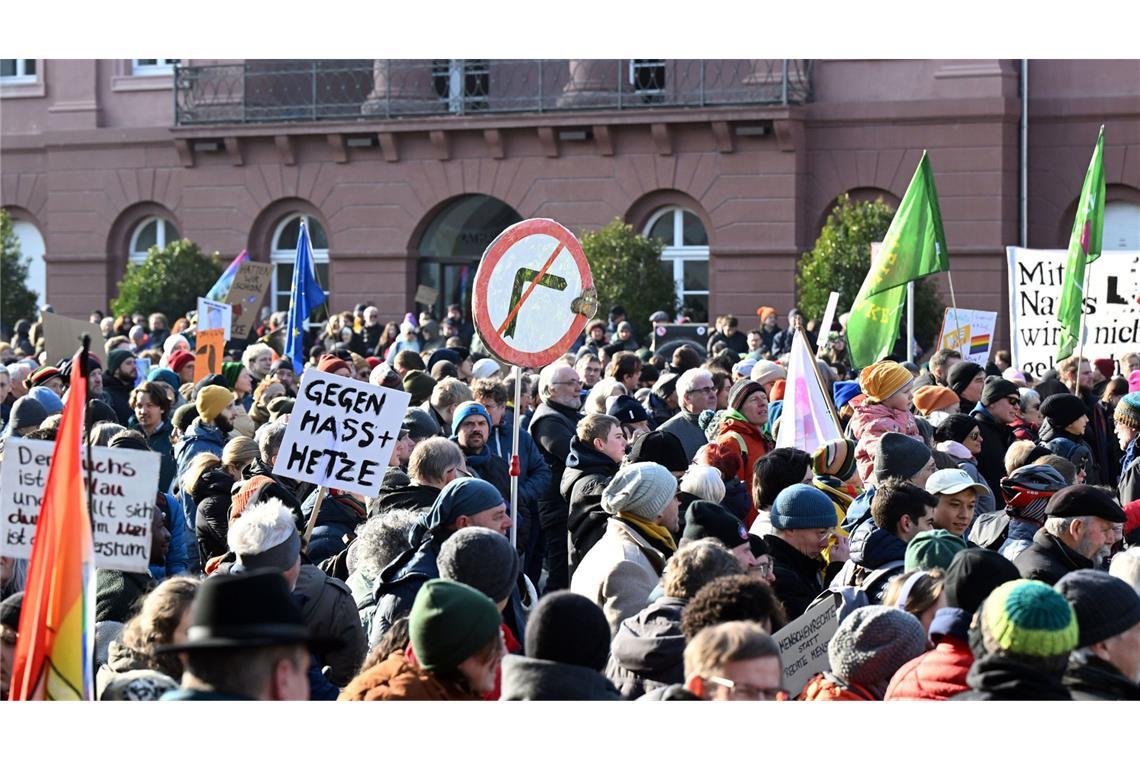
(256, 92)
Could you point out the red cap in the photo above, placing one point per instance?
(1132, 512)
(373, 362)
(330, 363)
(179, 359)
(1107, 367)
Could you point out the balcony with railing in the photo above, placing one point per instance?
(264, 92)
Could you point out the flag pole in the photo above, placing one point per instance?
(910, 321)
(1081, 336)
(83, 370)
(954, 305)
(516, 470)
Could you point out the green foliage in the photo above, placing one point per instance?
(840, 261)
(16, 300)
(627, 270)
(170, 280)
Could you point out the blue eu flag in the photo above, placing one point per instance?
(305, 296)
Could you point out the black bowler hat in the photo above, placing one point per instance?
(251, 609)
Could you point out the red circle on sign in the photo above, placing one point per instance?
(488, 331)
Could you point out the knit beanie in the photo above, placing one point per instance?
(279, 406)
(40, 376)
(764, 312)
(996, 389)
(481, 558)
(767, 372)
(211, 401)
(836, 457)
(179, 359)
(872, 643)
(707, 519)
(99, 411)
(802, 506)
(740, 391)
(328, 363)
(962, 374)
(778, 389)
(461, 497)
(172, 342)
(568, 628)
(955, 428)
(470, 409)
(26, 412)
(931, 549)
(164, 375)
(49, 400)
(443, 355)
(973, 574)
(1063, 409)
(1105, 606)
(626, 410)
(642, 489)
(899, 456)
(743, 368)
(1106, 367)
(231, 371)
(116, 358)
(186, 414)
(449, 622)
(883, 379)
(844, 391)
(211, 379)
(931, 397)
(1028, 618)
(661, 447)
(1128, 410)
(420, 385)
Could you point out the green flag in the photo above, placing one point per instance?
(1084, 249)
(914, 246)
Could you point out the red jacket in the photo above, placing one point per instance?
(934, 675)
(824, 689)
(733, 431)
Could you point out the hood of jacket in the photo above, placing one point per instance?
(651, 641)
(213, 482)
(203, 431)
(873, 547)
(417, 564)
(950, 621)
(1090, 677)
(396, 678)
(413, 496)
(527, 678)
(582, 460)
(1000, 678)
(122, 659)
(867, 413)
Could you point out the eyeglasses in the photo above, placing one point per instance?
(743, 691)
(1014, 400)
(764, 567)
(709, 389)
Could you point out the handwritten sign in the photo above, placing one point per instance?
(123, 484)
(427, 295)
(251, 281)
(341, 433)
(214, 315)
(803, 644)
(62, 334)
(208, 354)
(970, 332)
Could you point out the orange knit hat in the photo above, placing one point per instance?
(882, 379)
(929, 398)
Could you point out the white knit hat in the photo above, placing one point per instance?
(643, 489)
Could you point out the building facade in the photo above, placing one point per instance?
(406, 170)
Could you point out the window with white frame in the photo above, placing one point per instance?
(32, 251)
(284, 252)
(152, 66)
(685, 256)
(18, 69)
(1121, 226)
(154, 230)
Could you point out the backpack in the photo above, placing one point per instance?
(869, 581)
(990, 530)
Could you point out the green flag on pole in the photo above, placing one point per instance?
(914, 247)
(1084, 249)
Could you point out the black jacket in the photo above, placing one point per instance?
(552, 428)
(119, 397)
(996, 439)
(1073, 448)
(527, 678)
(1092, 678)
(799, 578)
(1048, 559)
(403, 494)
(118, 594)
(486, 466)
(588, 472)
(995, 677)
(648, 650)
(212, 495)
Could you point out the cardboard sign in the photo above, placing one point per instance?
(969, 332)
(251, 282)
(122, 492)
(62, 337)
(427, 295)
(1112, 305)
(341, 433)
(214, 315)
(208, 353)
(803, 644)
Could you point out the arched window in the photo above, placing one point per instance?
(1121, 226)
(153, 230)
(685, 256)
(32, 252)
(283, 252)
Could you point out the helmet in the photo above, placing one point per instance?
(1027, 490)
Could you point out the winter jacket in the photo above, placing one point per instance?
(996, 677)
(738, 342)
(734, 431)
(939, 673)
(1091, 678)
(996, 439)
(869, 424)
(282, 488)
(588, 472)
(534, 472)
(767, 342)
(200, 438)
(877, 555)
(672, 693)
(119, 397)
(486, 466)
(178, 556)
(1018, 537)
(119, 593)
(398, 679)
(413, 496)
(396, 586)
(1101, 441)
(1072, 448)
(659, 412)
(684, 425)
(330, 611)
(782, 343)
(619, 572)
(127, 677)
(361, 587)
(341, 514)
(159, 441)
(1128, 488)
(799, 578)
(648, 650)
(828, 687)
(528, 678)
(738, 500)
(212, 496)
(1048, 559)
(553, 427)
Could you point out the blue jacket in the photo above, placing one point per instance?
(340, 516)
(200, 438)
(177, 556)
(859, 510)
(534, 472)
(159, 441)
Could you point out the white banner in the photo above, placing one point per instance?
(1112, 308)
(122, 494)
(970, 332)
(805, 422)
(215, 315)
(341, 433)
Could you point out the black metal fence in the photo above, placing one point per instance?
(346, 90)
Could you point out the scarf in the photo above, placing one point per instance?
(1129, 455)
(657, 535)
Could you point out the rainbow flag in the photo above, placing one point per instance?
(55, 652)
(979, 344)
(221, 288)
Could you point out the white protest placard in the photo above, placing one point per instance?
(122, 493)
(214, 315)
(969, 332)
(1112, 305)
(803, 644)
(341, 433)
(828, 320)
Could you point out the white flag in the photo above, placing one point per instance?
(805, 422)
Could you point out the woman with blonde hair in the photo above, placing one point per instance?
(600, 395)
(239, 453)
(918, 592)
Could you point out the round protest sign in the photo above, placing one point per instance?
(533, 293)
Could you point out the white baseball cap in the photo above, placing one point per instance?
(951, 481)
(484, 368)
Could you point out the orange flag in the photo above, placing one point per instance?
(54, 654)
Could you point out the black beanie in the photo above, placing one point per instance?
(1106, 606)
(10, 610)
(973, 574)
(900, 456)
(707, 519)
(99, 411)
(1063, 409)
(780, 468)
(955, 428)
(996, 389)
(962, 374)
(568, 628)
(661, 447)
